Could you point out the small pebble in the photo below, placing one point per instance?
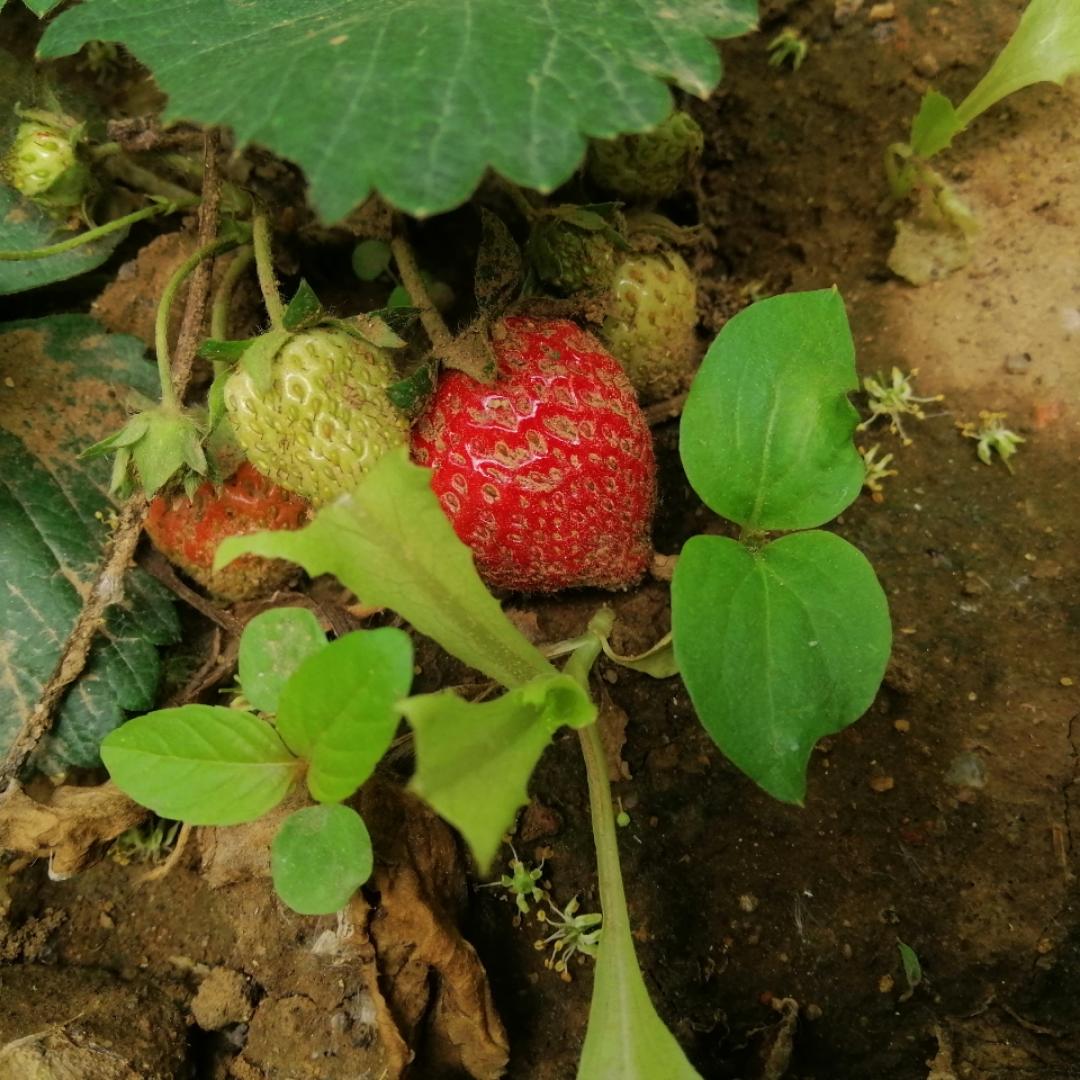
(882, 12)
(812, 1012)
(882, 783)
(748, 902)
(1065, 680)
(1018, 363)
(927, 65)
(844, 9)
(886, 983)
(967, 770)
(903, 726)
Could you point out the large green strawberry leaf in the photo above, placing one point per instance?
(25, 227)
(59, 384)
(415, 98)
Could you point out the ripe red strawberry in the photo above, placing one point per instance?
(187, 531)
(548, 475)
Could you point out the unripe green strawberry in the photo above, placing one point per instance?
(43, 164)
(570, 258)
(650, 324)
(323, 417)
(652, 165)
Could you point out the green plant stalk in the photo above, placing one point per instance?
(219, 312)
(161, 324)
(264, 266)
(123, 168)
(601, 807)
(94, 234)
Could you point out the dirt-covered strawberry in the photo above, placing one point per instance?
(652, 165)
(548, 474)
(43, 164)
(651, 321)
(311, 410)
(573, 248)
(187, 531)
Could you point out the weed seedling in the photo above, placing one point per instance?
(877, 470)
(522, 883)
(893, 400)
(992, 436)
(788, 47)
(571, 933)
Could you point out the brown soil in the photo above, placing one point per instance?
(942, 819)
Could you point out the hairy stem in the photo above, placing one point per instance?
(434, 326)
(264, 265)
(97, 233)
(198, 293)
(161, 326)
(219, 313)
(123, 168)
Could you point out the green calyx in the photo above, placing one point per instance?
(310, 407)
(573, 248)
(158, 445)
(43, 162)
(653, 165)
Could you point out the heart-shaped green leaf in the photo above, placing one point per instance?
(320, 856)
(778, 647)
(765, 437)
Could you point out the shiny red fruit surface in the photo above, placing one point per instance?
(548, 474)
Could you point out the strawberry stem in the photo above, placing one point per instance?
(264, 265)
(161, 326)
(97, 233)
(219, 313)
(434, 326)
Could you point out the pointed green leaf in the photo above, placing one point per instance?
(225, 351)
(412, 393)
(304, 308)
(374, 330)
(453, 88)
(339, 709)
(128, 435)
(1045, 47)
(274, 644)
(473, 761)
(778, 647)
(934, 125)
(766, 435)
(391, 543)
(258, 358)
(320, 856)
(659, 661)
(625, 1037)
(201, 764)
